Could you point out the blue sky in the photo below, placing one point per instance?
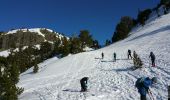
(70, 16)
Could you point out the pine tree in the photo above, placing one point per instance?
(123, 28)
(164, 2)
(65, 47)
(86, 38)
(45, 50)
(14, 70)
(157, 12)
(75, 46)
(57, 43)
(8, 79)
(165, 9)
(107, 43)
(95, 44)
(143, 16)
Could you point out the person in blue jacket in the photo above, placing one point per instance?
(143, 85)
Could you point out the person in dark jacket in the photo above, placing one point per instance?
(114, 56)
(83, 83)
(152, 56)
(129, 54)
(102, 55)
(143, 85)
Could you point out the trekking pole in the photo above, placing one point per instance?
(151, 96)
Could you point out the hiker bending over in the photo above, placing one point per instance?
(83, 83)
(143, 84)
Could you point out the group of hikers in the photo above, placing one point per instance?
(152, 56)
(142, 84)
(114, 56)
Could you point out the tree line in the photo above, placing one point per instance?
(127, 23)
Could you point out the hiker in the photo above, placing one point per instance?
(102, 55)
(83, 83)
(143, 84)
(114, 56)
(134, 54)
(135, 57)
(152, 56)
(137, 61)
(129, 54)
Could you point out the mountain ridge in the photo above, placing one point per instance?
(25, 37)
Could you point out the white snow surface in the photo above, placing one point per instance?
(88, 49)
(58, 79)
(5, 53)
(36, 30)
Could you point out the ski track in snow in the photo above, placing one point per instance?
(58, 79)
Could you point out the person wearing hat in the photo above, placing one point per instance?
(143, 85)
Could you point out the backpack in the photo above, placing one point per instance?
(139, 82)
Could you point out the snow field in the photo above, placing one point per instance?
(58, 79)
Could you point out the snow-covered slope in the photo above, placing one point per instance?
(36, 30)
(6, 53)
(58, 79)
